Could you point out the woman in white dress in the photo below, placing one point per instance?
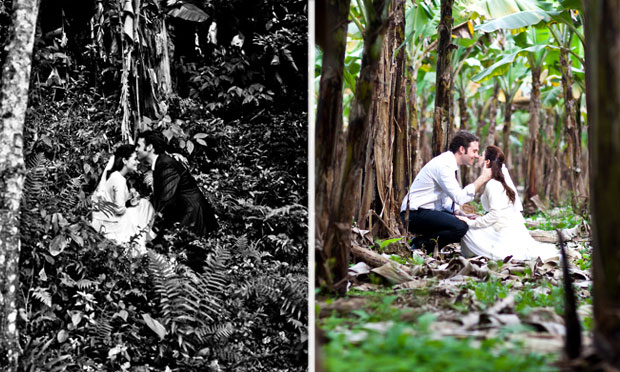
(501, 232)
(131, 218)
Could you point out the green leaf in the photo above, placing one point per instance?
(62, 336)
(572, 4)
(515, 21)
(500, 67)
(58, 244)
(156, 326)
(189, 12)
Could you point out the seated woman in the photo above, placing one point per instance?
(132, 217)
(501, 232)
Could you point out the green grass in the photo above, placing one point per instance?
(410, 347)
(490, 291)
(566, 219)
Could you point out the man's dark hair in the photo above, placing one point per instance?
(153, 138)
(462, 138)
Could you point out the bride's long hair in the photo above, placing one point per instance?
(123, 152)
(496, 156)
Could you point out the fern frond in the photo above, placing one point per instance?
(102, 329)
(34, 159)
(42, 295)
(68, 197)
(86, 284)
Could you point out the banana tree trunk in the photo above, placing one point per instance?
(337, 241)
(574, 143)
(531, 189)
(401, 152)
(464, 118)
(412, 133)
(492, 132)
(506, 131)
(602, 20)
(441, 114)
(13, 104)
(329, 126)
(425, 148)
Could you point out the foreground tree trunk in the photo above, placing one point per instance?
(602, 22)
(329, 119)
(337, 241)
(13, 103)
(388, 140)
(441, 114)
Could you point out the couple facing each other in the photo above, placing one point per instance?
(435, 196)
(176, 197)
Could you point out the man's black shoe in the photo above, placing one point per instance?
(422, 243)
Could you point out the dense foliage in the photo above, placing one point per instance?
(233, 301)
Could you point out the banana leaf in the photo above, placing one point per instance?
(500, 67)
(515, 21)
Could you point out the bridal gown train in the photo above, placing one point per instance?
(501, 232)
(126, 224)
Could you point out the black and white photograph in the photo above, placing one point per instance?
(153, 185)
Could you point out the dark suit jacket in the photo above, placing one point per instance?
(177, 197)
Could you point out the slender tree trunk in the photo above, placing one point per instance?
(463, 113)
(425, 153)
(337, 241)
(413, 131)
(329, 122)
(574, 143)
(602, 25)
(464, 118)
(506, 131)
(585, 174)
(13, 103)
(557, 169)
(534, 124)
(491, 133)
(441, 115)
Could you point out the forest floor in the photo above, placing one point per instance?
(442, 312)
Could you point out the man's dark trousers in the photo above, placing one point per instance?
(430, 224)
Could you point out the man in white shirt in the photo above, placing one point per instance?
(436, 181)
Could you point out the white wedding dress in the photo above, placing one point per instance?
(125, 224)
(501, 232)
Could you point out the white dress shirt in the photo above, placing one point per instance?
(436, 181)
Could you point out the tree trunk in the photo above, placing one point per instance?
(401, 154)
(441, 114)
(491, 133)
(464, 119)
(534, 124)
(425, 153)
(602, 22)
(329, 122)
(13, 104)
(506, 131)
(574, 144)
(413, 132)
(338, 235)
(387, 141)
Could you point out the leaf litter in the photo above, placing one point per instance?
(475, 298)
